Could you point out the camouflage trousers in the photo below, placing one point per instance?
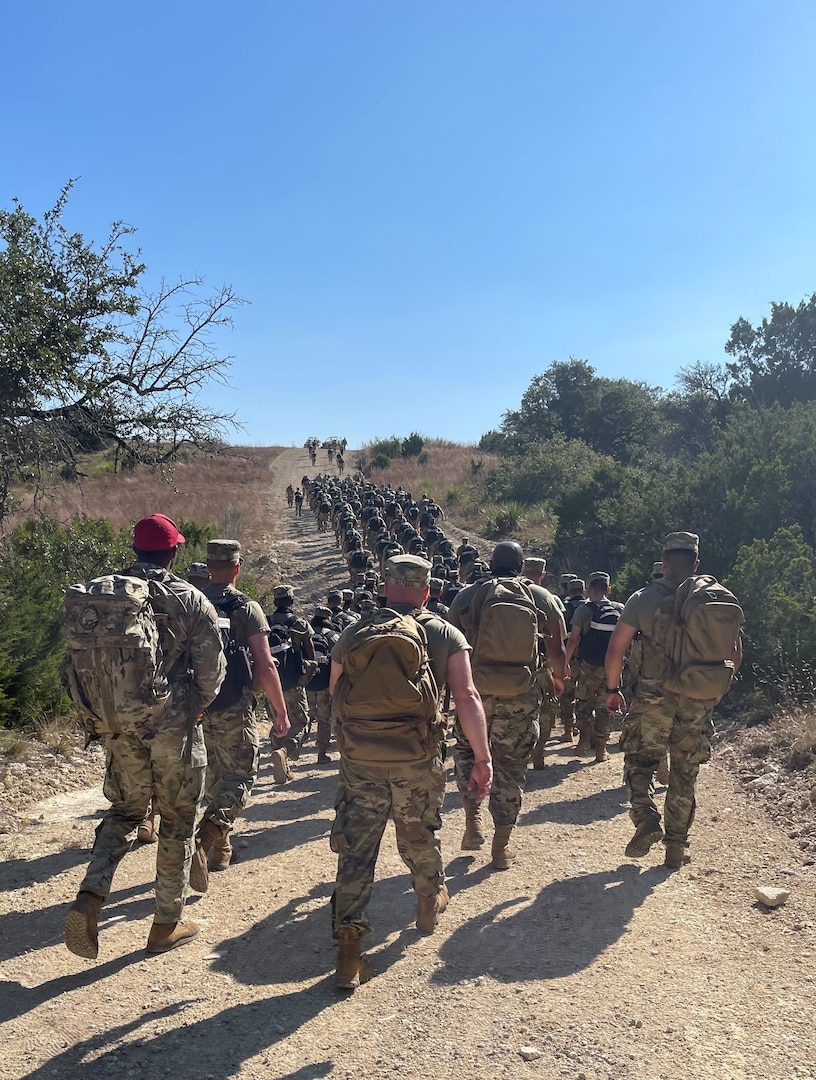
(566, 702)
(547, 711)
(297, 708)
(319, 702)
(512, 731)
(368, 795)
(139, 768)
(593, 719)
(232, 763)
(656, 720)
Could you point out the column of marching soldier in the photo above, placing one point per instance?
(400, 564)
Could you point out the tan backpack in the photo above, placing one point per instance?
(113, 668)
(386, 700)
(706, 624)
(503, 625)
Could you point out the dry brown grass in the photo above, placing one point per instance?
(445, 471)
(228, 490)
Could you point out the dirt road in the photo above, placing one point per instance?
(575, 962)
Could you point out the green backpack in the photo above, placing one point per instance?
(113, 669)
(386, 699)
(706, 624)
(503, 624)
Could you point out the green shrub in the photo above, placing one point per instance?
(412, 445)
(381, 461)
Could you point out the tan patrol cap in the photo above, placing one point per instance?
(534, 566)
(224, 551)
(409, 570)
(682, 541)
(565, 579)
(599, 575)
(283, 592)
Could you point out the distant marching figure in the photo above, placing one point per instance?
(298, 502)
(340, 464)
(290, 495)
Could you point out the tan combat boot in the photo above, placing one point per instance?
(647, 834)
(280, 767)
(429, 908)
(146, 833)
(208, 833)
(600, 751)
(538, 752)
(504, 853)
(166, 936)
(220, 853)
(81, 925)
(352, 969)
(474, 836)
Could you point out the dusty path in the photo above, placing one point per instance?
(575, 962)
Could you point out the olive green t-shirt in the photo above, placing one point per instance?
(443, 641)
(640, 611)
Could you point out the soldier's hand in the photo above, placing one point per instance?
(615, 702)
(281, 726)
(481, 777)
(558, 686)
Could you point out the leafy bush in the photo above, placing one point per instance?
(412, 445)
(423, 458)
(381, 461)
(775, 581)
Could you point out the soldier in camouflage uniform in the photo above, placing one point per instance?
(320, 700)
(231, 733)
(286, 748)
(533, 571)
(512, 722)
(659, 718)
(592, 716)
(410, 793)
(160, 755)
(574, 594)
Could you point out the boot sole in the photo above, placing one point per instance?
(77, 939)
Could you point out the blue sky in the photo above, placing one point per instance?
(427, 203)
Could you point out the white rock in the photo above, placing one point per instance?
(770, 896)
(529, 1053)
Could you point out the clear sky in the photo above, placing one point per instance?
(428, 202)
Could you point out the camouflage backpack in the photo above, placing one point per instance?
(707, 621)
(502, 624)
(113, 669)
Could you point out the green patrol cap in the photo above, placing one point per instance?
(657, 570)
(598, 575)
(565, 579)
(576, 584)
(409, 570)
(283, 592)
(682, 541)
(197, 571)
(323, 613)
(224, 551)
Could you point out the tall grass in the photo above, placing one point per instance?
(229, 490)
(444, 466)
